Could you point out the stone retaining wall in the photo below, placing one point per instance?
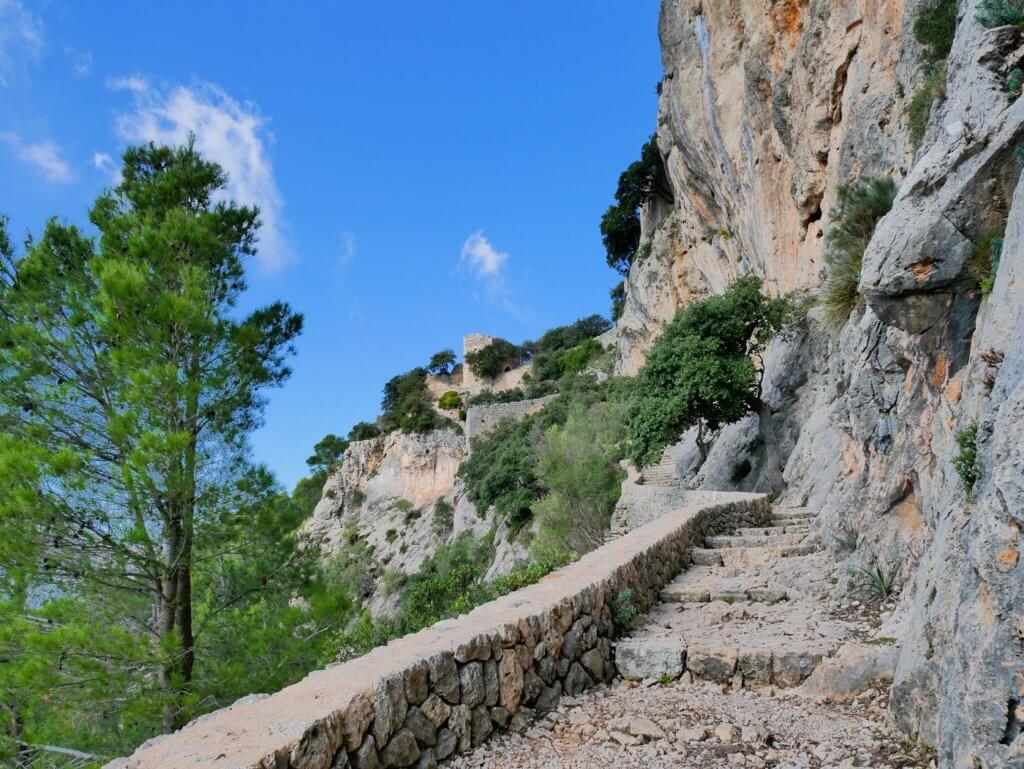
(427, 696)
(482, 419)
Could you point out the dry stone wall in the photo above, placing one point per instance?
(430, 695)
(480, 420)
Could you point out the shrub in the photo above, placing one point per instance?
(488, 397)
(998, 13)
(357, 496)
(363, 431)
(699, 371)
(935, 28)
(984, 262)
(920, 108)
(875, 580)
(578, 465)
(625, 611)
(491, 360)
(450, 401)
(618, 297)
(443, 519)
(575, 360)
(391, 535)
(407, 405)
(966, 460)
(501, 470)
(412, 515)
(1014, 82)
(859, 207)
(556, 341)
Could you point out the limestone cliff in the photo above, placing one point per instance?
(385, 495)
(766, 108)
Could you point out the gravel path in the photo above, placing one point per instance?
(701, 725)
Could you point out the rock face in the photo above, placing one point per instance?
(766, 108)
(384, 495)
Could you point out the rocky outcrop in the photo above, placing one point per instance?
(385, 496)
(766, 108)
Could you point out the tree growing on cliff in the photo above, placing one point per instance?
(407, 405)
(128, 389)
(491, 360)
(701, 371)
(327, 452)
(620, 224)
(441, 363)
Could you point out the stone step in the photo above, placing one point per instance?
(646, 658)
(777, 540)
(756, 531)
(795, 516)
(682, 593)
(741, 555)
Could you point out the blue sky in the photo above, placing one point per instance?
(425, 169)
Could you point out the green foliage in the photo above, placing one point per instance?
(966, 460)
(363, 431)
(575, 360)
(546, 351)
(935, 28)
(875, 580)
(578, 466)
(407, 404)
(625, 611)
(131, 381)
(441, 363)
(618, 298)
(699, 371)
(920, 108)
(327, 453)
(358, 496)
(501, 470)
(853, 219)
(402, 505)
(666, 679)
(847, 541)
(620, 224)
(984, 261)
(491, 360)
(443, 519)
(1014, 82)
(450, 400)
(505, 396)
(391, 535)
(999, 13)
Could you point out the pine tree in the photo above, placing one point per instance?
(127, 390)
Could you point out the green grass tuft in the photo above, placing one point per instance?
(854, 217)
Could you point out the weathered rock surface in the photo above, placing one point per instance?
(766, 108)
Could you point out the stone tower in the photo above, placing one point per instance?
(471, 343)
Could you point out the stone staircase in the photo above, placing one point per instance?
(661, 474)
(749, 612)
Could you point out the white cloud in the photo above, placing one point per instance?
(487, 264)
(483, 259)
(133, 83)
(81, 62)
(43, 156)
(348, 248)
(226, 131)
(103, 162)
(21, 39)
